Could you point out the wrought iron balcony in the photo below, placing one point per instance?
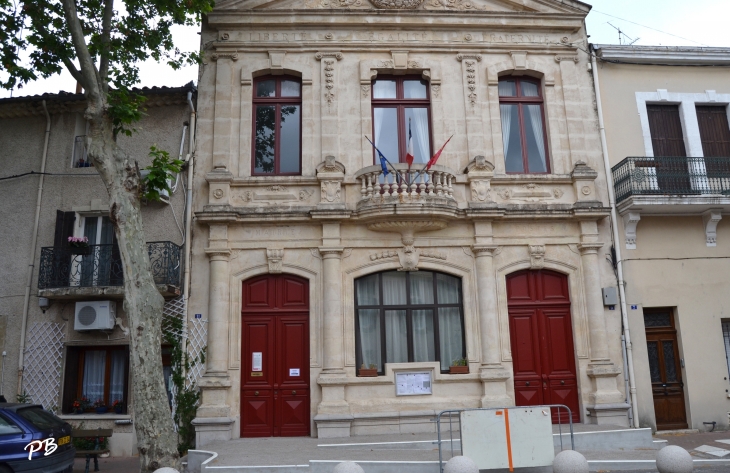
(671, 176)
(98, 266)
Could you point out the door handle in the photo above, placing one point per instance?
(527, 383)
(562, 381)
(256, 393)
(294, 393)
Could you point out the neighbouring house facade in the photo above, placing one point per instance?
(67, 321)
(665, 112)
(338, 296)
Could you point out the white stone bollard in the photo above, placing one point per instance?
(166, 469)
(570, 461)
(348, 467)
(674, 459)
(461, 465)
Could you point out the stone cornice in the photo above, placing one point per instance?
(664, 55)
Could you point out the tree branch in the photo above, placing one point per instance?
(72, 69)
(89, 78)
(106, 30)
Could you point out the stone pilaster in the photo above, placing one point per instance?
(492, 373)
(213, 422)
(333, 413)
(606, 403)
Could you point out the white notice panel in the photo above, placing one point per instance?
(413, 384)
(256, 361)
(484, 437)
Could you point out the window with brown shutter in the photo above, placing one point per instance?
(715, 136)
(667, 140)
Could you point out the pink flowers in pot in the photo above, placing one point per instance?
(78, 242)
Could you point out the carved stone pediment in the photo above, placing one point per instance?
(330, 165)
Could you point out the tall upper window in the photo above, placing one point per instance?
(398, 102)
(277, 110)
(408, 317)
(523, 126)
(715, 136)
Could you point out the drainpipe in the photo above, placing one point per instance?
(627, 351)
(31, 257)
(190, 159)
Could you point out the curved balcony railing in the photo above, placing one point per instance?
(101, 265)
(437, 182)
(671, 176)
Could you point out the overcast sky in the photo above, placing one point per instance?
(652, 22)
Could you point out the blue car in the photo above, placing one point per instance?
(28, 429)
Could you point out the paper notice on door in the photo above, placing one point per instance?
(293, 371)
(257, 361)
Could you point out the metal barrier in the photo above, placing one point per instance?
(450, 413)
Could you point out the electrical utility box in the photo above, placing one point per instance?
(518, 437)
(610, 296)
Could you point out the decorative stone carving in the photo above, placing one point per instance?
(711, 218)
(566, 58)
(330, 173)
(427, 253)
(218, 193)
(383, 255)
(330, 164)
(461, 57)
(397, 4)
(505, 194)
(408, 258)
(305, 194)
(452, 5)
(330, 192)
(365, 91)
(274, 258)
(537, 256)
(435, 90)
(479, 173)
(329, 81)
(386, 64)
(558, 193)
(480, 191)
(631, 220)
(233, 56)
(471, 81)
(414, 65)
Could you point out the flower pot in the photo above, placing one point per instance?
(101, 410)
(79, 250)
(368, 372)
(78, 411)
(458, 369)
(118, 409)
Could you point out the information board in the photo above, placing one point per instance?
(413, 383)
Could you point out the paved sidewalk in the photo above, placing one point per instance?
(691, 441)
(109, 465)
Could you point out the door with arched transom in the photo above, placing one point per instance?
(541, 337)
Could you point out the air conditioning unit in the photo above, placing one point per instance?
(95, 315)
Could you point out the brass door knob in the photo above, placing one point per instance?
(562, 382)
(256, 393)
(294, 393)
(527, 383)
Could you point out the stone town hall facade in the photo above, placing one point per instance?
(325, 283)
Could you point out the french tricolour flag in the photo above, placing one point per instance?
(409, 154)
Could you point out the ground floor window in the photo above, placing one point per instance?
(97, 373)
(408, 317)
(726, 338)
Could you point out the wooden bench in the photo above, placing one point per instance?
(89, 454)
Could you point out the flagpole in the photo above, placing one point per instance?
(395, 171)
(439, 153)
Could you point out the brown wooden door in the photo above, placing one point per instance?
(715, 135)
(665, 369)
(667, 139)
(541, 336)
(275, 357)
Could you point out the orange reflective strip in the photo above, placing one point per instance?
(509, 441)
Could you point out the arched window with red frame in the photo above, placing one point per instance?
(277, 131)
(524, 136)
(396, 103)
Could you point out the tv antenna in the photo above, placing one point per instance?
(623, 36)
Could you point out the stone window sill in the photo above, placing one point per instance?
(94, 416)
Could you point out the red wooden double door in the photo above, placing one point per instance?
(541, 337)
(275, 357)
